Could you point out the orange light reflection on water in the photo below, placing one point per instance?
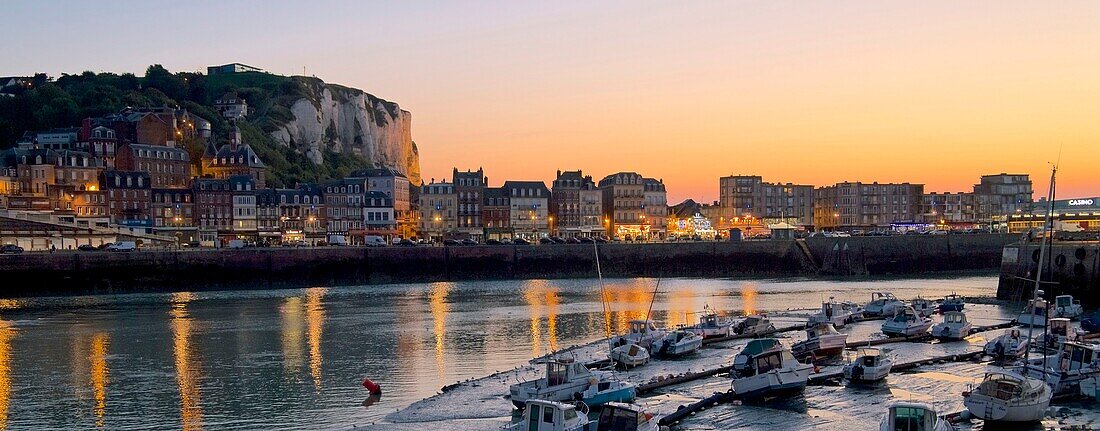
(315, 321)
(748, 297)
(7, 333)
(437, 300)
(293, 324)
(188, 369)
(98, 357)
(542, 296)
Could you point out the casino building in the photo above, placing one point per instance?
(1072, 215)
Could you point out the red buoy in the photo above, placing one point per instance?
(372, 387)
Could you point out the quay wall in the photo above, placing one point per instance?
(1071, 267)
(32, 274)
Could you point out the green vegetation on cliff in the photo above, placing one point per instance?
(66, 101)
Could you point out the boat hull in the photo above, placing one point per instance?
(776, 383)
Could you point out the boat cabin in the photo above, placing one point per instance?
(1078, 356)
(818, 331)
(558, 372)
(709, 321)
(954, 317)
(1059, 327)
(869, 358)
(543, 415)
(622, 417)
(1001, 386)
(642, 326)
(772, 360)
(910, 416)
(907, 315)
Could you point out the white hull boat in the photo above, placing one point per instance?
(821, 341)
(1008, 397)
(923, 306)
(1065, 370)
(1011, 344)
(882, 304)
(869, 366)
(1034, 314)
(913, 416)
(835, 313)
(776, 373)
(567, 380)
(627, 417)
(1066, 306)
(542, 415)
(906, 323)
(954, 327)
(712, 325)
(678, 343)
(742, 361)
(630, 355)
(642, 332)
(754, 326)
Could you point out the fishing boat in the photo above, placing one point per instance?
(923, 306)
(630, 355)
(955, 326)
(952, 302)
(566, 380)
(836, 313)
(821, 340)
(776, 373)
(627, 417)
(754, 325)
(882, 304)
(1008, 397)
(543, 415)
(1065, 370)
(742, 361)
(711, 325)
(678, 343)
(1091, 387)
(906, 323)
(642, 332)
(1058, 331)
(1010, 344)
(913, 416)
(870, 365)
(1034, 314)
(1066, 306)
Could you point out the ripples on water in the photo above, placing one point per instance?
(296, 358)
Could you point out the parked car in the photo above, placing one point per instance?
(520, 241)
(557, 239)
(11, 249)
(601, 239)
(506, 241)
(374, 241)
(86, 247)
(406, 243)
(451, 242)
(573, 240)
(469, 241)
(545, 240)
(492, 242)
(125, 246)
(586, 240)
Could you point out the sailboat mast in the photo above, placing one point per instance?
(603, 296)
(1048, 232)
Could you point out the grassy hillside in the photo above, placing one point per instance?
(64, 102)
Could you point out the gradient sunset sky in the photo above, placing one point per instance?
(934, 92)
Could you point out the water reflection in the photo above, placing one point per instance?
(748, 297)
(437, 299)
(539, 296)
(315, 320)
(188, 369)
(630, 301)
(7, 333)
(292, 333)
(683, 304)
(98, 357)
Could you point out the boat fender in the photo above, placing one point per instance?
(372, 387)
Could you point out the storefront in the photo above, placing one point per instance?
(1070, 215)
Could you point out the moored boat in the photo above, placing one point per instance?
(1065, 370)
(1034, 313)
(955, 326)
(641, 332)
(1066, 306)
(627, 417)
(678, 343)
(836, 313)
(711, 325)
(870, 365)
(1010, 344)
(742, 361)
(630, 355)
(923, 306)
(754, 325)
(821, 340)
(882, 304)
(567, 379)
(913, 416)
(907, 323)
(952, 302)
(776, 373)
(1008, 397)
(543, 415)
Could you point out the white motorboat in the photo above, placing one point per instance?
(642, 332)
(1008, 397)
(630, 355)
(542, 415)
(955, 326)
(678, 343)
(870, 365)
(882, 304)
(627, 417)
(1058, 331)
(1066, 369)
(923, 306)
(776, 373)
(836, 313)
(566, 380)
(913, 416)
(711, 325)
(1066, 306)
(754, 325)
(1034, 314)
(1011, 344)
(952, 302)
(907, 323)
(821, 341)
(742, 361)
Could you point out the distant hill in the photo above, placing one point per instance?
(302, 128)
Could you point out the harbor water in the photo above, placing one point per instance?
(296, 358)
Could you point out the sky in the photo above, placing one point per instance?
(932, 92)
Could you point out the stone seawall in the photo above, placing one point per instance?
(1071, 268)
(95, 272)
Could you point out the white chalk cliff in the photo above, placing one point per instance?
(350, 121)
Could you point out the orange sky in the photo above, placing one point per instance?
(936, 92)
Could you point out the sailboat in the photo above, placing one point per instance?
(1014, 397)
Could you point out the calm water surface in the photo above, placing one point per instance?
(295, 359)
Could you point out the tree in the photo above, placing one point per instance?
(173, 86)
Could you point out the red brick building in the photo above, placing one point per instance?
(167, 167)
(128, 197)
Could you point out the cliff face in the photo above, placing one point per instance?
(350, 121)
